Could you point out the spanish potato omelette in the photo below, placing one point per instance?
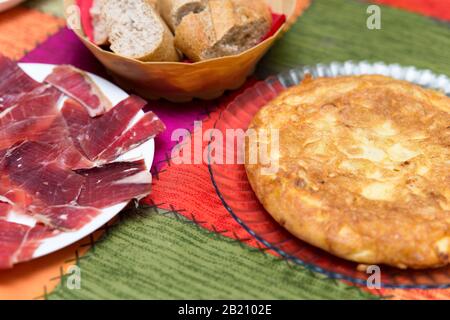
(363, 169)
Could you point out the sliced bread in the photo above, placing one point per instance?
(135, 30)
(173, 11)
(99, 25)
(225, 27)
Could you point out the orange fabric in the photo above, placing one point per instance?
(22, 29)
(187, 189)
(31, 280)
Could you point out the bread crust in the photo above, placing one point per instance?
(254, 9)
(215, 31)
(172, 11)
(364, 169)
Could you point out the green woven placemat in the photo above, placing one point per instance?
(336, 30)
(165, 256)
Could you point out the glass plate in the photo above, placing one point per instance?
(233, 188)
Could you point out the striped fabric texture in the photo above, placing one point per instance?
(161, 255)
(175, 249)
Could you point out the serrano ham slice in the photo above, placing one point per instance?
(148, 127)
(36, 117)
(104, 139)
(28, 118)
(18, 242)
(5, 208)
(34, 237)
(12, 236)
(64, 217)
(115, 183)
(77, 85)
(49, 182)
(66, 199)
(13, 82)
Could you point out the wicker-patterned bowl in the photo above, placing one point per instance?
(178, 81)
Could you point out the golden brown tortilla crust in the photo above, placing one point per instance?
(364, 169)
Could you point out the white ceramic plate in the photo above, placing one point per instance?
(146, 151)
(7, 4)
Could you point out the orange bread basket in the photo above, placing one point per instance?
(180, 81)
